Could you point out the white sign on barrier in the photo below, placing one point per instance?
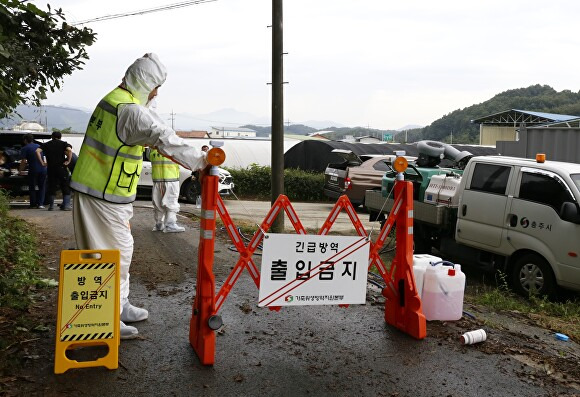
(301, 269)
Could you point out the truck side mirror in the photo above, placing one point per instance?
(569, 212)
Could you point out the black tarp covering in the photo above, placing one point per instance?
(315, 155)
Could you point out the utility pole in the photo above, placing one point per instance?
(277, 112)
(172, 119)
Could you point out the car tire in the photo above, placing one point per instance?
(190, 190)
(532, 275)
(421, 245)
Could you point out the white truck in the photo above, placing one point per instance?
(520, 216)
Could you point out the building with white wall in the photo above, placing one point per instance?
(231, 132)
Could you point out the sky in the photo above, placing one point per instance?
(380, 64)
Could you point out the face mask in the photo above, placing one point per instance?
(152, 104)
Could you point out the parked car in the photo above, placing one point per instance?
(190, 186)
(355, 175)
(11, 179)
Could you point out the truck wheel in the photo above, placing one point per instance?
(190, 190)
(421, 245)
(532, 275)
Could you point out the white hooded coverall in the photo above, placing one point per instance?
(100, 224)
(165, 199)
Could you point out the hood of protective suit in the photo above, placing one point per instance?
(144, 75)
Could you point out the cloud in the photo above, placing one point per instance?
(373, 62)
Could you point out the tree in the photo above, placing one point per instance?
(66, 130)
(37, 49)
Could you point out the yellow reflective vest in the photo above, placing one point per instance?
(164, 170)
(107, 168)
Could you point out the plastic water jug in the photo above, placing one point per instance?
(443, 289)
(420, 264)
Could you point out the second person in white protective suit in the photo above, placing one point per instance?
(165, 195)
(109, 164)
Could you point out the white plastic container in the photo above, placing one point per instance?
(448, 194)
(471, 337)
(420, 264)
(442, 190)
(434, 188)
(443, 289)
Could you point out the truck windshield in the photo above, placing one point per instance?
(576, 179)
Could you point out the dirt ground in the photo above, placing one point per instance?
(298, 351)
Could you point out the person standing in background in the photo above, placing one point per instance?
(58, 156)
(36, 171)
(165, 193)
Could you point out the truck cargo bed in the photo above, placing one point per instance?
(434, 214)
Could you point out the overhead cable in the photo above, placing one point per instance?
(142, 12)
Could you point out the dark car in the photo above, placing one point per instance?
(355, 175)
(11, 179)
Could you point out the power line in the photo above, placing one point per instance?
(146, 11)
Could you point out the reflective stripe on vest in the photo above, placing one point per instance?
(107, 168)
(163, 169)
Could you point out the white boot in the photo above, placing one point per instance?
(128, 332)
(132, 314)
(173, 228)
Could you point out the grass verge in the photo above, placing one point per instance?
(557, 316)
(19, 282)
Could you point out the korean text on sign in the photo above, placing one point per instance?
(313, 270)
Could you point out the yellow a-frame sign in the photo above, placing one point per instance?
(88, 307)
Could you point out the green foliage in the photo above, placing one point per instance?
(558, 316)
(537, 98)
(18, 259)
(255, 182)
(37, 49)
(66, 130)
(302, 185)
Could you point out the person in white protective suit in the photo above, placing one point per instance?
(165, 195)
(110, 162)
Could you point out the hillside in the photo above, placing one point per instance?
(537, 98)
(59, 117)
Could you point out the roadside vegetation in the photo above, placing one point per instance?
(19, 283)
(562, 315)
(254, 182)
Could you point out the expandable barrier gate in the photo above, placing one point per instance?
(402, 303)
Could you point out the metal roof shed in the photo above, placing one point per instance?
(502, 126)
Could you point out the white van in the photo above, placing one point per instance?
(527, 211)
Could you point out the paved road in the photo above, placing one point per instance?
(311, 215)
(300, 351)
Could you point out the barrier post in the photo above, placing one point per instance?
(203, 321)
(403, 306)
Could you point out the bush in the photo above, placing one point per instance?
(255, 182)
(19, 260)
